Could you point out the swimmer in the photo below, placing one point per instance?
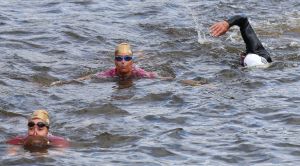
(124, 68)
(38, 136)
(256, 54)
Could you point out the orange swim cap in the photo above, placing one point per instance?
(123, 49)
(41, 114)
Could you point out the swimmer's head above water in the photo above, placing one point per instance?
(39, 123)
(38, 129)
(123, 60)
(254, 60)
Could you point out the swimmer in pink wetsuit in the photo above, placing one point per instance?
(136, 73)
(38, 133)
(124, 68)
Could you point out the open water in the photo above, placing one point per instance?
(240, 117)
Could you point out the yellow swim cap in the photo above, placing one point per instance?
(41, 114)
(123, 49)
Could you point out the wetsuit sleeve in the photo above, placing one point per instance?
(253, 44)
(58, 142)
(19, 140)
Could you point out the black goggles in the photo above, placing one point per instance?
(120, 58)
(39, 124)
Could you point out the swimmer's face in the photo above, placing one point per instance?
(123, 63)
(36, 128)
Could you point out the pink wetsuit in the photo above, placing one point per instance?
(136, 73)
(54, 141)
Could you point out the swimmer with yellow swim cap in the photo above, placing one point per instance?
(124, 68)
(38, 136)
(255, 54)
(38, 123)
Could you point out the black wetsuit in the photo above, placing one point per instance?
(253, 45)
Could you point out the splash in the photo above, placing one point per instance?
(202, 39)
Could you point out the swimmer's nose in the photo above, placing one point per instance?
(35, 131)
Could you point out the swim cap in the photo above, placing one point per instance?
(123, 49)
(41, 114)
(254, 60)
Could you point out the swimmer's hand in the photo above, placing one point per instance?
(194, 82)
(58, 83)
(84, 78)
(55, 83)
(219, 28)
(166, 78)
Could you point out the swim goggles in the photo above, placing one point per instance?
(39, 124)
(120, 58)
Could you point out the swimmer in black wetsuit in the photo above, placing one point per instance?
(255, 54)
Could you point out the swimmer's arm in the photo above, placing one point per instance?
(58, 142)
(220, 28)
(239, 20)
(88, 77)
(165, 78)
(73, 80)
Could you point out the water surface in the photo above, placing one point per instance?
(241, 117)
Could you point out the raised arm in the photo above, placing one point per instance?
(253, 44)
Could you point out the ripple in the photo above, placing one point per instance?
(43, 79)
(74, 35)
(155, 118)
(5, 105)
(295, 120)
(106, 109)
(3, 83)
(287, 145)
(157, 151)
(230, 159)
(106, 140)
(85, 2)
(280, 66)
(36, 158)
(283, 117)
(253, 84)
(9, 114)
(20, 77)
(176, 133)
(228, 74)
(157, 96)
(295, 153)
(16, 32)
(181, 32)
(41, 68)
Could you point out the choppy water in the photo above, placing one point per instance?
(242, 117)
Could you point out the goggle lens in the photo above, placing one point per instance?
(39, 124)
(126, 58)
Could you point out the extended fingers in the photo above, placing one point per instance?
(56, 83)
(219, 28)
(216, 29)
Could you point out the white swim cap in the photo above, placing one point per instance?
(254, 60)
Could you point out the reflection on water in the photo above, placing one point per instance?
(123, 84)
(223, 114)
